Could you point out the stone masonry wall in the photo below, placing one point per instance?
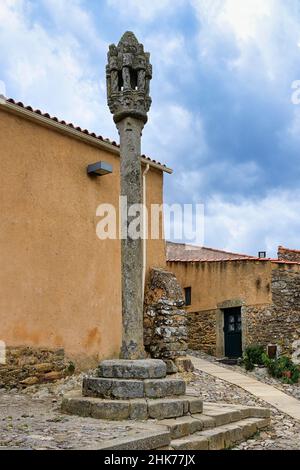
(259, 325)
(285, 254)
(278, 323)
(29, 366)
(202, 331)
(165, 319)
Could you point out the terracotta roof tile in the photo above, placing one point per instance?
(179, 252)
(71, 125)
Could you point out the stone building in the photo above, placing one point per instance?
(235, 300)
(60, 285)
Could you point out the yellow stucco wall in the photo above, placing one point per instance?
(60, 284)
(215, 282)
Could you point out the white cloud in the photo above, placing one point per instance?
(252, 225)
(172, 129)
(2, 88)
(145, 11)
(52, 71)
(73, 17)
(264, 33)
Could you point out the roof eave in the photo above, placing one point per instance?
(72, 132)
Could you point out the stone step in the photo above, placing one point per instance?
(128, 388)
(225, 413)
(221, 437)
(135, 409)
(132, 369)
(186, 425)
(213, 415)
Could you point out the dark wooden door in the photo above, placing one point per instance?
(233, 332)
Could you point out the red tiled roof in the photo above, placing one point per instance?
(284, 261)
(79, 129)
(180, 252)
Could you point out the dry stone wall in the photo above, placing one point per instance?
(285, 254)
(278, 323)
(202, 327)
(165, 318)
(27, 366)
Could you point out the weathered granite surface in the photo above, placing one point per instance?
(278, 323)
(165, 319)
(128, 369)
(129, 388)
(128, 77)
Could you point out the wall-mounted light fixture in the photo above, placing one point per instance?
(99, 169)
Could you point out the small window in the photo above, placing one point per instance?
(188, 295)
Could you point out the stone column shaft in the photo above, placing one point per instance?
(128, 75)
(130, 130)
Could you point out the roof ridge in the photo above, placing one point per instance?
(178, 260)
(72, 126)
(213, 249)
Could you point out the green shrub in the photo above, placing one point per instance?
(253, 356)
(282, 368)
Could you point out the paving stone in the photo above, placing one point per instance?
(248, 427)
(159, 388)
(221, 417)
(171, 367)
(75, 406)
(257, 412)
(110, 409)
(184, 364)
(215, 437)
(132, 369)
(183, 426)
(232, 434)
(146, 441)
(165, 408)
(207, 422)
(138, 409)
(195, 405)
(112, 388)
(263, 423)
(190, 443)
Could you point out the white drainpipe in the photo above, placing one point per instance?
(144, 226)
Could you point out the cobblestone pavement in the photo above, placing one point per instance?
(31, 419)
(31, 423)
(284, 433)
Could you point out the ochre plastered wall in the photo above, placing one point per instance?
(215, 282)
(60, 284)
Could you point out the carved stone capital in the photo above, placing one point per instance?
(128, 75)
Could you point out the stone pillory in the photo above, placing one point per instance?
(128, 76)
(134, 387)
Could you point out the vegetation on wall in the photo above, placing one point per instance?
(281, 368)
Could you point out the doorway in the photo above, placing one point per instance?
(233, 332)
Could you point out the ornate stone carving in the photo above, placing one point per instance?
(128, 76)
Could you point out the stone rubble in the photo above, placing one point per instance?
(165, 319)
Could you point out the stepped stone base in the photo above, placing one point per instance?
(136, 409)
(137, 369)
(139, 390)
(218, 427)
(128, 388)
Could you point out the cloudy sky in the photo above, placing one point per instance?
(222, 114)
